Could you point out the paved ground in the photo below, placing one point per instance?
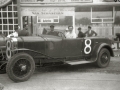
(79, 77)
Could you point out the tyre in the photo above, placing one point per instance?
(103, 58)
(20, 67)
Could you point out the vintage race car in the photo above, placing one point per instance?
(24, 53)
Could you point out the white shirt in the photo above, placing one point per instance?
(14, 34)
(70, 35)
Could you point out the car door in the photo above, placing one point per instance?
(72, 47)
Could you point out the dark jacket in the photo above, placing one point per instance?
(81, 34)
(53, 33)
(90, 34)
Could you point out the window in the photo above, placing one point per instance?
(8, 18)
(102, 14)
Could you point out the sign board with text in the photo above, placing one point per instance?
(47, 20)
(56, 1)
(45, 11)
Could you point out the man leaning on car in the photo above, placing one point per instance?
(90, 32)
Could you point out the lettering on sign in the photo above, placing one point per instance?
(54, 1)
(47, 20)
(54, 11)
(4, 2)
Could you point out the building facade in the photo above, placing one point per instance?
(102, 15)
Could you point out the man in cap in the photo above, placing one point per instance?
(52, 32)
(80, 34)
(90, 32)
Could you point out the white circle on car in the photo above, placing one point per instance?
(87, 48)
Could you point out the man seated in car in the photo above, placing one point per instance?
(52, 32)
(70, 33)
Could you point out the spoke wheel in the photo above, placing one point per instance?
(103, 58)
(20, 67)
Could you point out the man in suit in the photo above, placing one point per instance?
(90, 32)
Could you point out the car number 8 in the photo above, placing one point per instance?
(87, 48)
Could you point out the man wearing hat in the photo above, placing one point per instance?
(52, 32)
(90, 32)
(80, 34)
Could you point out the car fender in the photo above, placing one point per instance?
(25, 49)
(97, 49)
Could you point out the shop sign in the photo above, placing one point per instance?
(4, 2)
(52, 11)
(47, 20)
(55, 1)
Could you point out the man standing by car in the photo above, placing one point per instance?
(80, 34)
(70, 33)
(52, 32)
(90, 32)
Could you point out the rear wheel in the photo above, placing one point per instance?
(103, 58)
(20, 67)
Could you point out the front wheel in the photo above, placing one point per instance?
(20, 67)
(103, 58)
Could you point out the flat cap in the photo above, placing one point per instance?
(51, 25)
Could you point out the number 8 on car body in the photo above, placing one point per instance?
(87, 48)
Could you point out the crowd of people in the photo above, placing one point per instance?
(70, 33)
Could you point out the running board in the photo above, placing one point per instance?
(77, 62)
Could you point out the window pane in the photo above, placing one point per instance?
(0, 27)
(14, 1)
(10, 21)
(15, 21)
(0, 14)
(15, 8)
(4, 14)
(0, 21)
(4, 27)
(15, 14)
(5, 33)
(15, 26)
(9, 8)
(4, 21)
(9, 14)
(10, 27)
(4, 9)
